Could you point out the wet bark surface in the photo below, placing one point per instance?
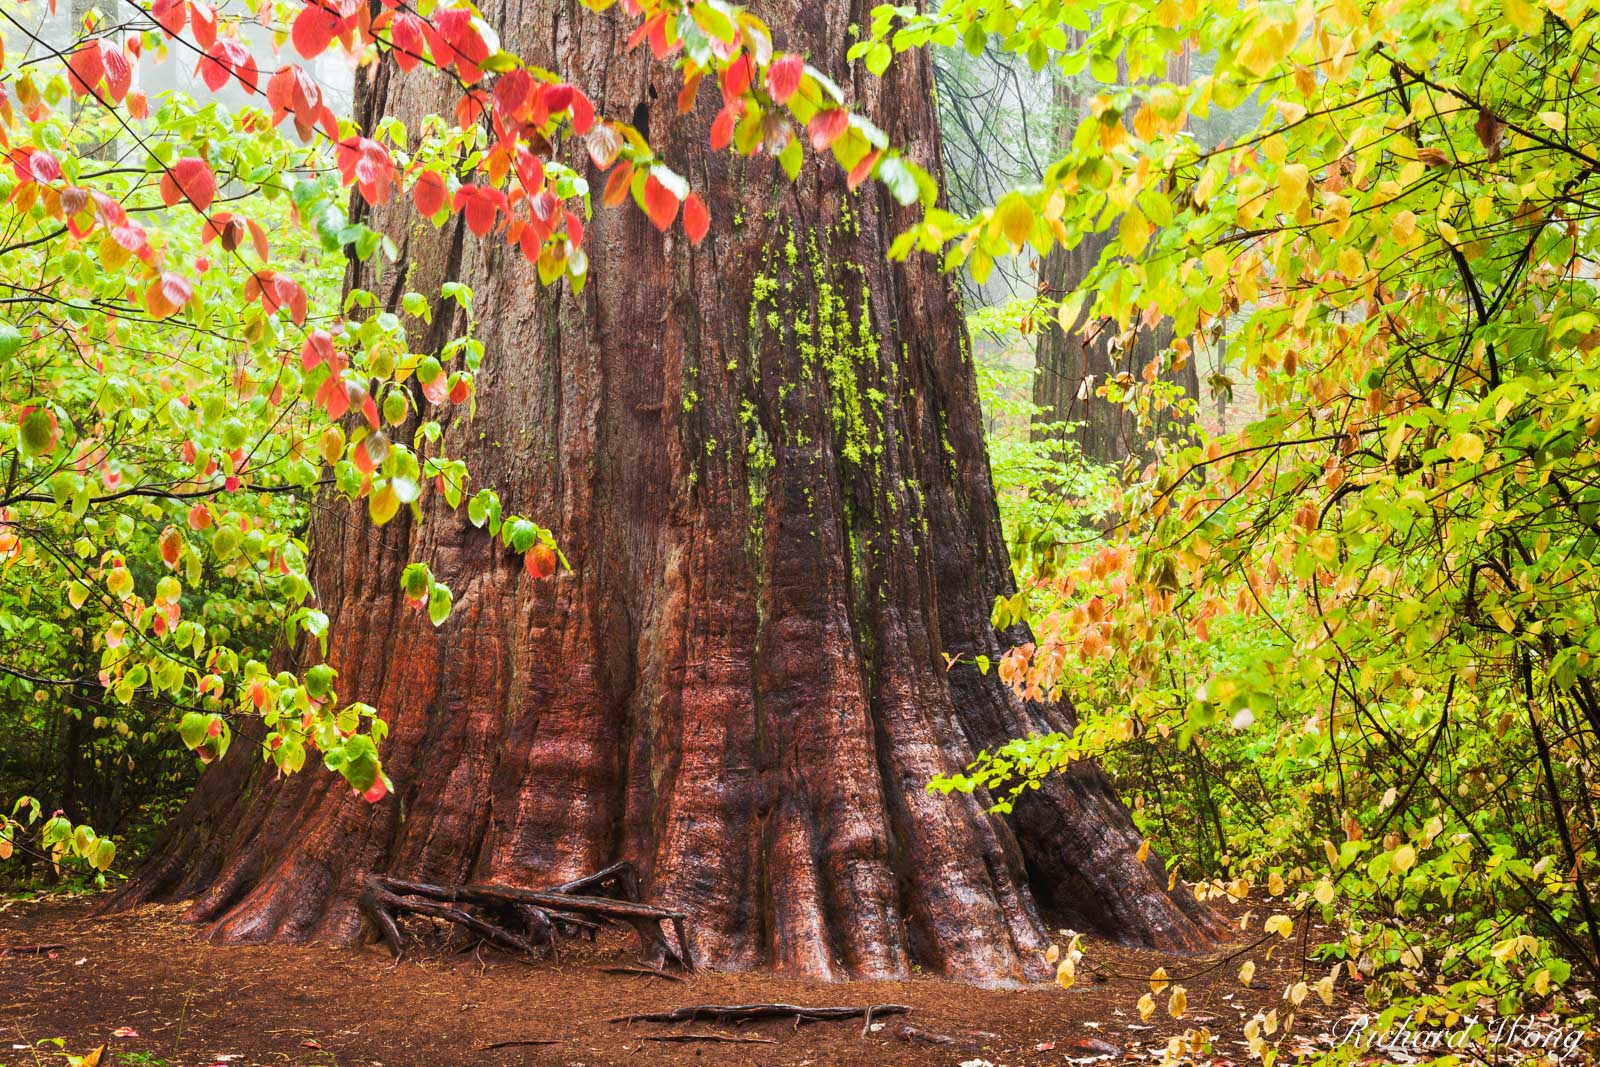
(764, 459)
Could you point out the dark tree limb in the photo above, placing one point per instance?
(383, 919)
(623, 875)
(750, 1012)
(730, 1039)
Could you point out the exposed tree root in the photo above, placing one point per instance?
(529, 920)
(742, 1013)
(730, 1039)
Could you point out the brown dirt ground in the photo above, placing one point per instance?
(195, 1004)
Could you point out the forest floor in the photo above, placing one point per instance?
(179, 1001)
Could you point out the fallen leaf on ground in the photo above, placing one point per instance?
(1093, 1047)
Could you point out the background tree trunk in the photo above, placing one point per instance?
(764, 459)
(1072, 365)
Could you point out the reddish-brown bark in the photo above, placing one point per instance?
(739, 686)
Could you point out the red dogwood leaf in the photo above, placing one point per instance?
(783, 76)
(429, 193)
(85, 69)
(722, 129)
(481, 207)
(510, 96)
(333, 397)
(119, 72)
(314, 29)
(696, 218)
(170, 15)
(827, 127)
(318, 348)
(203, 24)
(690, 90)
(540, 561)
(582, 112)
(240, 63)
(659, 203)
(405, 38)
(736, 78)
(189, 179)
(213, 68)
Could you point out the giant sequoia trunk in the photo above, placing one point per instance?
(763, 458)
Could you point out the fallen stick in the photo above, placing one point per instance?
(918, 1036)
(750, 1012)
(653, 972)
(726, 1038)
(515, 1044)
(30, 950)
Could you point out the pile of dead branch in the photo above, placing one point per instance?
(531, 921)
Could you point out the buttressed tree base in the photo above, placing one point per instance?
(763, 459)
